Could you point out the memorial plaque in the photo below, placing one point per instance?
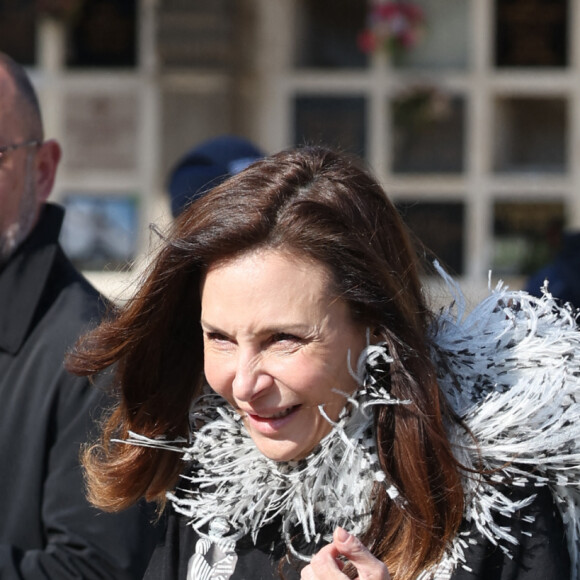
(337, 122)
(428, 133)
(101, 132)
(524, 235)
(439, 226)
(531, 135)
(103, 33)
(328, 31)
(18, 30)
(197, 34)
(531, 33)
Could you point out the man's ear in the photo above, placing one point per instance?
(46, 163)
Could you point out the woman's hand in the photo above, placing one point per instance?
(327, 565)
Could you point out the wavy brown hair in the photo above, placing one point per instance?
(319, 204)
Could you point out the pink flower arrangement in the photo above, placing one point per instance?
(395, 25)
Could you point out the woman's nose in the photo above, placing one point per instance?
(250, 379)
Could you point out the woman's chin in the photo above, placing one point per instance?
(283, 451)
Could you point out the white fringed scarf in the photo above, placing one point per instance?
(510, 369)
(230, 482)
(516, 361)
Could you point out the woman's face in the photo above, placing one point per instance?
(276, 344)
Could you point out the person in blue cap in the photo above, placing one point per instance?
(207, 165)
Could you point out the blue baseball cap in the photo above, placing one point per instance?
(207, 165)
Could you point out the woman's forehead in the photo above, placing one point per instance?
(293, 258)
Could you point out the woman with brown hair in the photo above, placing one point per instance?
(283, 385)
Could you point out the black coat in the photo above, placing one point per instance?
(541, 553)
(47, 527)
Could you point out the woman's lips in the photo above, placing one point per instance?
(271, 422)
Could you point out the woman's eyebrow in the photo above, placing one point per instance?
(298, 327)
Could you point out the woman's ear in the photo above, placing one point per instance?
(375, 335)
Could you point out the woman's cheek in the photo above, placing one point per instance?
(301, 374)
(216, 373)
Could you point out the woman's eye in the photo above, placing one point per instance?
(285, 337)
(216, 337)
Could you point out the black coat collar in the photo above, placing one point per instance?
(24, 277)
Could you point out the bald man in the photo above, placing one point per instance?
(47, 528)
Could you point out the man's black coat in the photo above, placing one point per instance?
(47, 527)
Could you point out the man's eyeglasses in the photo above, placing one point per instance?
(7, 148)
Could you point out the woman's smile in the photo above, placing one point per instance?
(268, 424)
(276, 346)
(279, 415)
